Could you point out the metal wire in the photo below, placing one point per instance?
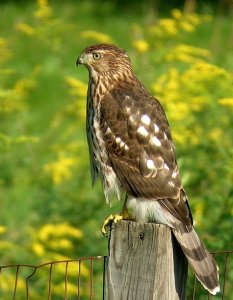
(79, 277)
(87, 284)
(225, 255)
(16, 268)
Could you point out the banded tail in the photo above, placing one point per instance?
(202, 262)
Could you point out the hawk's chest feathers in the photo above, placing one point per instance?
(99, 161)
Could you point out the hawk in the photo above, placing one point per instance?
(132, 151)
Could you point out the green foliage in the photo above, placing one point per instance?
(48, 209)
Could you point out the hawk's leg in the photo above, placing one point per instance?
(125, 212)
(124, 215)
(109, 221)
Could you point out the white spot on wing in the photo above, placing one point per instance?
(109, 131)
(166, 167)
(141, 130)
(150, 164)
(145, 119)
(126, 147)
(155, 141)
(174, 174)
(127, 110)
(122, 144)
(132, 119)
(156, 128)
(118, 140)
(171, 183)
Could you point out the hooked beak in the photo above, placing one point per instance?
(80, 60)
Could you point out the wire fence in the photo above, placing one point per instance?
(225, 261)
(65, 279)
(83, 279)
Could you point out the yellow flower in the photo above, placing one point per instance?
(209, 71)
(177, 14)
(98, 36)
(44, 11)
(180, 110)
(5, 54)
(197, 102)
(5, 245)
(78, 88)
(215, 134)
(42, 3)
(192, 50)
(179, 138)
(168, 26)
(2, 229)
(61, 169)
(23, 85)
(193, 136)
(60, 244)
(58, 230)
(156, 31)
(58, 288)
(38, 249)
(3, 42)
(25, 28)
(8, 281)
(27, 139)
(226, 101)
(187, 26)
(187, 53)
(185, 58)
(11, 101)
(141, 46)
(194, 19)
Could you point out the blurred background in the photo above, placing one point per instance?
(181, 50)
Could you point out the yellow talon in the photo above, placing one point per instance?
(107, 223)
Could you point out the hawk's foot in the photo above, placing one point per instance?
(109, 221)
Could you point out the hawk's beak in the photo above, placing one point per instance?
(80, 60)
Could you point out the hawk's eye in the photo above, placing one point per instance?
(96, 55)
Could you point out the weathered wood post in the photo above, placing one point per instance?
(144, 263)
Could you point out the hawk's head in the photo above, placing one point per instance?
(104, 59)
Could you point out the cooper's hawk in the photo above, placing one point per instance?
(131, 149)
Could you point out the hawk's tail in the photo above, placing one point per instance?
(202, 262)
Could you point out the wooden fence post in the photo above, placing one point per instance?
(144, 263)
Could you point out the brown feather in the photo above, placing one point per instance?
(131, 148)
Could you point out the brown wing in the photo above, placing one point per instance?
(140, 148)
(139, 144)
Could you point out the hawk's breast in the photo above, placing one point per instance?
(99, 160)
